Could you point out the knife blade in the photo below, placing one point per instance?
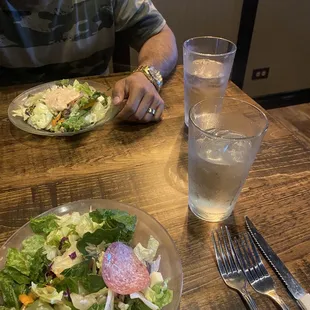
(301, 296)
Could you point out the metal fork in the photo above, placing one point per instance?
(228, 265)
(254, 269)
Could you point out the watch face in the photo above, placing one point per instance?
(155, 74)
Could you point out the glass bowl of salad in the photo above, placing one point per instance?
(91, 255)
(62, 108)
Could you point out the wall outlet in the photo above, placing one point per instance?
(261, 73)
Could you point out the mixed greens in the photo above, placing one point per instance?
(65, 107)
(60, 266)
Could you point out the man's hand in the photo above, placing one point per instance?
(137, 95)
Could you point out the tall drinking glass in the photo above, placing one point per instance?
(225, 135)
(207, 67)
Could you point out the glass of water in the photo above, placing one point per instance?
(225, 135)
(207, 67)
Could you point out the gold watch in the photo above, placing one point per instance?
(153, 75)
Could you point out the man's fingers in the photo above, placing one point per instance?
(132, 104)
(119, 92)
(135, 95)
(149, 116)
(159, 113)
(144, 105)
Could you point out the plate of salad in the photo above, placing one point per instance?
(90, 255)
(62, 108)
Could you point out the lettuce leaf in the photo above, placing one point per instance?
(116, 225)
(146, 302)
(63, 82)
(47, 294)
(40, 117)
(14, 275)
(80, 274)
(50, 251)
(83, 87)
(65, 284)
(86, 225)
(123, 306)
(6, 308)
(92, 283)
(26, 266)
(18, 272)
(8, 294)
(108, 235)
(156, 278)
(38, 265)
(39, 305)
(65, 261)
(81, 302)
(78, 271)
(75, 122)
(137, 304)
(71, 219)
(17, 260)
(102, 215)
(159, 294)
(32, 244)
(63, 307)
(147, 254)
(20, 289)
(44, 225)
(55, 236)
(97, 307)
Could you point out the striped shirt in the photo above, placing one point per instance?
(44, 40)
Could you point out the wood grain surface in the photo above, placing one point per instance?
(297, 119)
(146, 166)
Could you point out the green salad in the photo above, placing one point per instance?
(84, 261)
(65, 107)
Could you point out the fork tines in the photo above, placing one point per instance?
(228, 265)
(225, 256)
(249, 258)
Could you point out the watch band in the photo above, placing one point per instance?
(153, 75)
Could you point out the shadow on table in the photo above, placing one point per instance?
(132, 132)
(199, 227)
(200, 230)
(176, 172)
(201, 248)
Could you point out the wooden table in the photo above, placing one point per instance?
(146, 166)
(297, 119)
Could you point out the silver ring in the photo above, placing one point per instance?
(151, 111)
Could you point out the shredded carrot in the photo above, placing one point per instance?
(56, 119)
(25, 299)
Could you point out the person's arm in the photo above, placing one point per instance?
(149, 34)
(160, 51)
(137, 94)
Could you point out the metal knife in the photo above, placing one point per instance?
(301, 296)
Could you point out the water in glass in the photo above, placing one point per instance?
(217, 172)
(203, 78)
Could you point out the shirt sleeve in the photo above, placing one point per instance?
(139, 19)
